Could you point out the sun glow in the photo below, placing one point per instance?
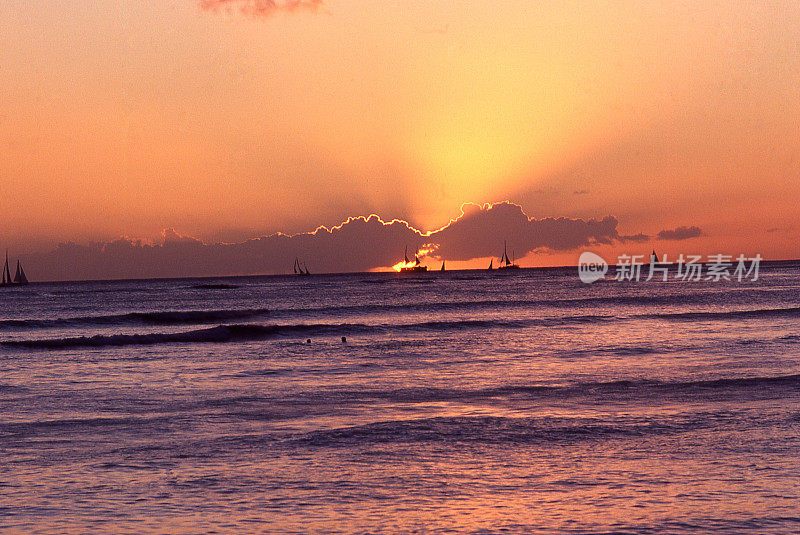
(419, 256)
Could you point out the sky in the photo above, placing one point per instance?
(223, 121)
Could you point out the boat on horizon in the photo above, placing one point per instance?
(416, 267)
(654, 257)
(442, 266)
(20, 279)
(505, 261)
(300, 268)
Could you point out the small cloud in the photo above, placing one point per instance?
(581, 192)
(261, 8)
(680, 233)
(636, 238)
(774, 229)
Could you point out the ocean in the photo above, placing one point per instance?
(460, 402)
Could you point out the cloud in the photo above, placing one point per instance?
(635, 238)
(680, 233)
(261, 8)
(358, 244)
(480, 231)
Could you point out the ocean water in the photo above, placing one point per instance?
(461, 402)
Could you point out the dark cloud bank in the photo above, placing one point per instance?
(358, 244)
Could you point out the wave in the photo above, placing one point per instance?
(582, 304)
(791, 312)
(512, 430)
(633, 387)
(255, 332)
(167, 317)
(196, 317)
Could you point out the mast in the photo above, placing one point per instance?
(296, 263)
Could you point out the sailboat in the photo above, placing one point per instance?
(298, 268)
(505, 261)
(442, 266)
(20, 279)
(491, 263)
(417, 267)
(654, 257)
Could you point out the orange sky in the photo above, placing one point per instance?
(125, 118)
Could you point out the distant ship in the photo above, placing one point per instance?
(654, 257)
(19, 279)
(416, 267)
(300, 269)
(442, 266)
(505, 261)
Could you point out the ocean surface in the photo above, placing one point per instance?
(461, 402)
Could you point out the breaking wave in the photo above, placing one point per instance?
(167, 317)
(254, 332)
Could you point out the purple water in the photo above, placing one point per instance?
(466, 402)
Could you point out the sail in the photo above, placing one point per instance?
(307, 272)
(442, 265)
(21, 278)
(490, 263)
(405, 254)
(416, 260)
(504, 259)
(294, 267)
(6, 271)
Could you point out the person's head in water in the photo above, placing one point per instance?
(344, 339)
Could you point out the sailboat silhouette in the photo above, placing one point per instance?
(505, 261)
(20, 279)
(300, 269)
(417, 267)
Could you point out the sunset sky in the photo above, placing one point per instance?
(228, 120)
